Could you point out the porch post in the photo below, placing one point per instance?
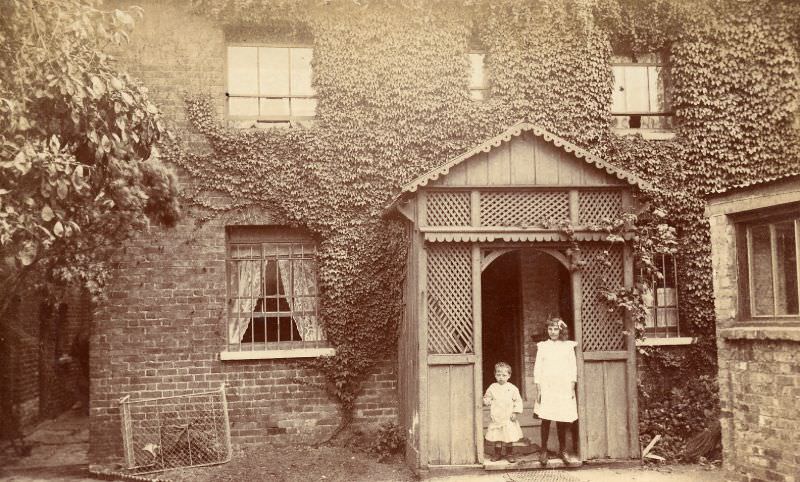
(478, 348)
(577, 301)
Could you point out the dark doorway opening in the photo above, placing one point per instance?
(501, 318)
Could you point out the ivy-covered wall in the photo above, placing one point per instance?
(391, 79)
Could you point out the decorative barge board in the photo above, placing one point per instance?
(487, 264)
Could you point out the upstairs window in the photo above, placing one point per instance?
(641, 96)
(269, 85)
(661, 295)
(768, 257)
(272, 289)
(478, 77)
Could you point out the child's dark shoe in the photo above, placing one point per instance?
(564, 456)
(543, 457)
(498, 455)
(510, 454)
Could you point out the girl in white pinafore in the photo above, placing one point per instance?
(555, 376)
(506, 406)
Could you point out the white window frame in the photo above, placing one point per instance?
(478, 90)
(663, 302)
(276, 245)
(263, 120)
(747, 309)
(650, 63)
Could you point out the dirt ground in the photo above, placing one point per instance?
(297, 464)
(59, 446)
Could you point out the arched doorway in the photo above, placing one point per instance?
(521, 288)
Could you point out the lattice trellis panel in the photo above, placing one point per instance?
(450, 299)
(594, 206)
(602, 329)
(501, 208)
(448, 208)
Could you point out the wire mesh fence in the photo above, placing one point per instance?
(179, 431)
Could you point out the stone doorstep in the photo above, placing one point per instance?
(531, 462)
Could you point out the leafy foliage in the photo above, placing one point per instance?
(390, 440)
(78, 172)
(391, 79)
(678, 400)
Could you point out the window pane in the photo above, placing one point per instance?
(242, 71)
(243, 106)
(274, 107)
(618, 94)
(761, 264)
(477, 69)
(301, 71)
(273, 65)
(786, 296)
(637, 97)
(658, 95)
(304, 107)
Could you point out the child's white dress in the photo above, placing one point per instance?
(554, 371)
(504, 400)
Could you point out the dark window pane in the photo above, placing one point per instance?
(761, 275)
(786, 277)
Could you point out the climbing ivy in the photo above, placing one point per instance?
(391, 79)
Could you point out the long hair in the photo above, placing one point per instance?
(563, 329)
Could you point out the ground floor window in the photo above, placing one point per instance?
(272, 287)
(768, 256)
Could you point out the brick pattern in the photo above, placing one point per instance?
(160, 334)
(38, 385)
(164, 324)
(759, 383)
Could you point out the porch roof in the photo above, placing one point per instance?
(505, 136)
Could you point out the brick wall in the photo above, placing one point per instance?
(162, 329)
(36, 384)
(759, 361)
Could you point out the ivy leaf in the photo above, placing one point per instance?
(98, 86)
(27, 254)
(62, 189)
(58, 229)
(47, 213)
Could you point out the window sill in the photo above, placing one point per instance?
(276, 354)
(755, 332)
(647, 134)
(668, 341)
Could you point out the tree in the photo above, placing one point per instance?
(79, 171)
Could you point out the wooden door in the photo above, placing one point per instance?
(452, 352)
(608, 415)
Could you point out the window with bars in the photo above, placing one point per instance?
(641, 95)
(478, 77)
(661, 295)
(768, 257)
(269, 85)
(272, 289)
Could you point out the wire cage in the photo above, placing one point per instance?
(164, 433)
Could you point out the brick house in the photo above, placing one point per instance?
(181, 314)
(754, 238)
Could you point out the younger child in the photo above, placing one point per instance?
(555, 376)
(506, 403)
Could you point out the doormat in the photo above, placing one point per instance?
(540, 476)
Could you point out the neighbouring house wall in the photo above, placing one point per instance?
(164, 324)
(38, 382)
(759, 362)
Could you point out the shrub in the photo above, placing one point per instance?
(389, 440)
